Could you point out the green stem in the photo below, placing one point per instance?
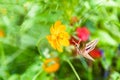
(2, 55)
(35, 77)
(73, 69)
(38, 43)
(90, 73)
(14, 56)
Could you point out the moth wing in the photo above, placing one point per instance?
(91, 45)
(86, 55)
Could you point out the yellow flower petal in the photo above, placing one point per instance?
(65, 42)
(58, 37)
(62, 27)
(52, 29)
(57, 23)
(51, 41)
(59, 46)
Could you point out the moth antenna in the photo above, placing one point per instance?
(77, 45)
(79, 41)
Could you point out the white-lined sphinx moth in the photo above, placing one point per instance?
(86, 48)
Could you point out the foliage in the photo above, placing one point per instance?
(24, 25)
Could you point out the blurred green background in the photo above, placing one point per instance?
(26, 22)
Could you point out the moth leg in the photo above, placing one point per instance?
(77, 44)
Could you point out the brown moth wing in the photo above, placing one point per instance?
(89, 47)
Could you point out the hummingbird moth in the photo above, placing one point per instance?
(84, 51)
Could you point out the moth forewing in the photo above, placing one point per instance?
(86, 55)
(88, 47)
(91, 45)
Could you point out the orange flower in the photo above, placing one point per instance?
(58, 37)
(2, 33)
(51, 65)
